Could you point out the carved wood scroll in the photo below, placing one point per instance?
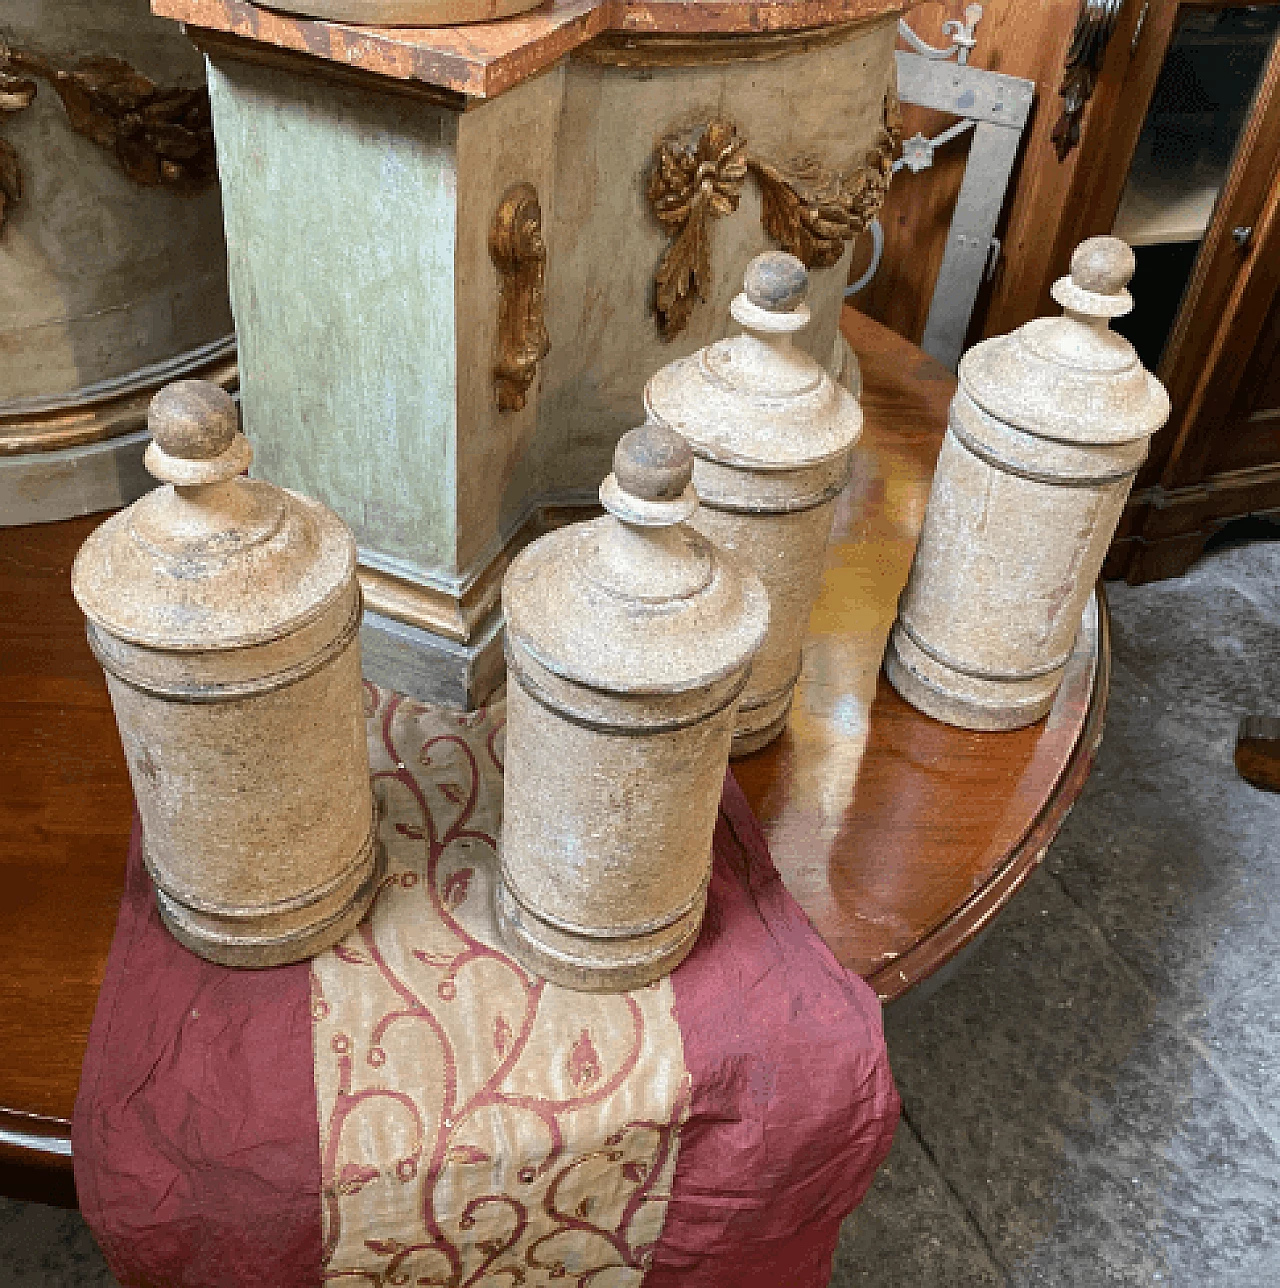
(809, 208)
(161, 136)
(518, 251)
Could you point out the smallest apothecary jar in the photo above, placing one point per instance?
(772, 436)
(226, 612)
(629, 642)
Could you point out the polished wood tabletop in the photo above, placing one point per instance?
(900, 837)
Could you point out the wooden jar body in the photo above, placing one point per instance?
(1013, 541)
(778, 522)
(251, 773)
(610, 806)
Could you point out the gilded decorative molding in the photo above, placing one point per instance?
(520, 255)
(808, 207)
(16, 94)
(693, 177)
(812, 210)
(161, 136)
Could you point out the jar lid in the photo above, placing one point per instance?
(755, 400)
(637, 602)
(213, 560)
(1072, 378)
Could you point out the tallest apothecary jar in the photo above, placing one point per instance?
(1047, 429)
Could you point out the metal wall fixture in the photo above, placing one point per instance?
(995, 108)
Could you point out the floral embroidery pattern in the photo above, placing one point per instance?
(478, 1126)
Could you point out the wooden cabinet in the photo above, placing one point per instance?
(1179, 153)
(1179, 156)
(1202, 204)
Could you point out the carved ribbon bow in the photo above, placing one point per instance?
(690, 182)
(808, 207)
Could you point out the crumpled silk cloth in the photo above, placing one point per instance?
(413, 1108)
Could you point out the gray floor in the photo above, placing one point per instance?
(1094, 1097)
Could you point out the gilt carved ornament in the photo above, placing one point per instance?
(808, 207)
(520, 256)
(161, 136)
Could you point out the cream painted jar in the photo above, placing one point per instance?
(772, 437)
(629, 643)
(1046, 432)
(226, 612)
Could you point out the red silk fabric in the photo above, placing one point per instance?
(194, 1137)
(196, 1142)
(794, 1107)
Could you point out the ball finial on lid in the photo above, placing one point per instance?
(1103, 265)
(193, 420)
(653, 463)
(1097, 288)
(776, 282)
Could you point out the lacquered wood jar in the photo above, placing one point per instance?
(1046, 432)
(226, 612)
(772, 437)
(629, 643)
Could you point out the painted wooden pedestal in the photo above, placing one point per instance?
(456, 256)
(112, 263)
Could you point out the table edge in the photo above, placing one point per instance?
(31, 1139)
(897, 977)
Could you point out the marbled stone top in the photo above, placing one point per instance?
(482, 60)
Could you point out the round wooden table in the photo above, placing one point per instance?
(900, 837)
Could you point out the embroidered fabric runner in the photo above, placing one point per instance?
(452, 1121)
(476, 1124)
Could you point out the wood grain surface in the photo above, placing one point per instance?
(1027, 38)
(65, 814)
(483, 59)
(901, 837)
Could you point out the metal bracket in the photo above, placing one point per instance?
(917, 151)
(996, 109)
(961, 33)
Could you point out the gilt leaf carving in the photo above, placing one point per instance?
(810, 208)
(693, 178)
(16, 95)
(161, 136)
(813, 210)
(807, 209)
(520, 256)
